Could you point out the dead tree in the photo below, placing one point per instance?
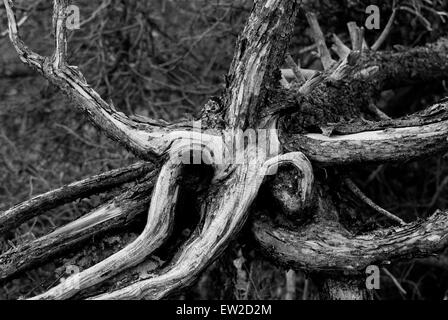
(322, 123)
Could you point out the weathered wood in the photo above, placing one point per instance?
(260, 49)
(146, 139)
(227, 208)
(387, 145)
(158, 228)
(327, 126)
(118, 213)
(319, 40)
(330, 102)
(327, 247)
(24, 211)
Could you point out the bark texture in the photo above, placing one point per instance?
(321, 118)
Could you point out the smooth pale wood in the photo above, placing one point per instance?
(158, 229)
(319, 39)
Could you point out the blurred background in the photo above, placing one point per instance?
(164, 59)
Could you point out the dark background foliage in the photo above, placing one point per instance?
(164, 59)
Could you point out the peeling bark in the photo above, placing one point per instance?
(328, 247)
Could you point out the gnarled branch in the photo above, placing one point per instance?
(24, 211)
(327, 247)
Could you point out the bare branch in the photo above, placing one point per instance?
(260, 50)
(340, 48)
(378, 70)
(377, 112)
(27, 56)
(158, 229)
(319, 39)
(307, 73)
(328, 248)
(355, 33)
(395, 281)
(311, 84)
(29, 209)
(144, 138)
(224, 218)
(388, 145)
(60, 33)
(354, 188)
(118, 213)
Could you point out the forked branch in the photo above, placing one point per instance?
(144, 138)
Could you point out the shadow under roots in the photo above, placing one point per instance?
(195, 180)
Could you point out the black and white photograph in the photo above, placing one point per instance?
(221, 156)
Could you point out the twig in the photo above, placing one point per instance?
(395, 281)
(375, 110)
(319, 39)
(354, 188)
(92, 185)
(386, 30)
